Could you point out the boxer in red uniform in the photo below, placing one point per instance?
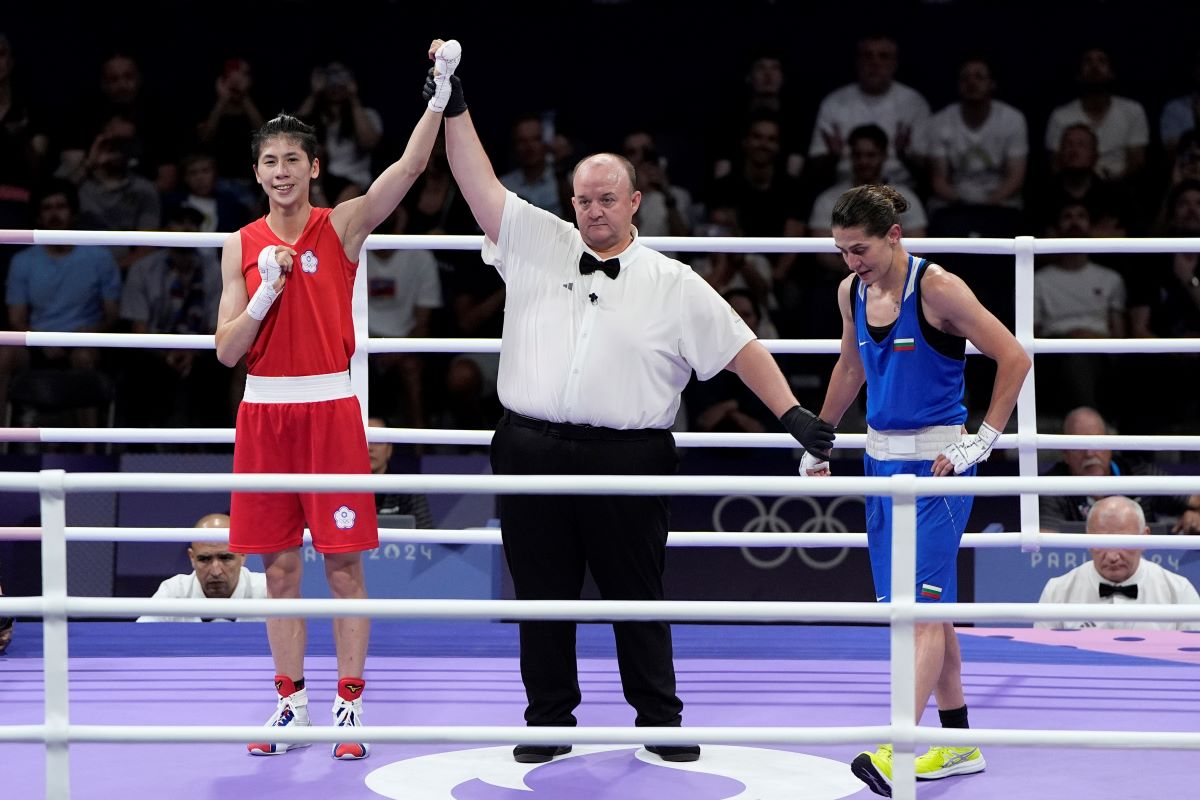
(285, 305)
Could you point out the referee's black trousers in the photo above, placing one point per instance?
(549, 540)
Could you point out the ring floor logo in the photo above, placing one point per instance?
(615, 772)
(811, 517)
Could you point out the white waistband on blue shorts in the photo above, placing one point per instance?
(922, 444)
(302, 389)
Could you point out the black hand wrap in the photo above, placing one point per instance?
(814, 433)
(456, 105)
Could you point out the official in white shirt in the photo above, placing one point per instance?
(216, 573)
(600, 337)
(1118, 575)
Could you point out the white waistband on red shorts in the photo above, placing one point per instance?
(923, 444)
(302, 389)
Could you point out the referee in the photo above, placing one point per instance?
(601, 335)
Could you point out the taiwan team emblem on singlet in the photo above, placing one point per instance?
(308, 261)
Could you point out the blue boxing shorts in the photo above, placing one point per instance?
(941, 521)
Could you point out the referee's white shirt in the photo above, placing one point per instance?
(1155, 585)
(591, 350)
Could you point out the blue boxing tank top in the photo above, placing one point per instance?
(914, 371)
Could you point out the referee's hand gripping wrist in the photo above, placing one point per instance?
(813, 433)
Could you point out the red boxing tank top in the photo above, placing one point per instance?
(309, 330)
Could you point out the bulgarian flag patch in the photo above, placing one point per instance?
(904, 344)
(928, 589)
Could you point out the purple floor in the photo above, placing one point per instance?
(1010, 684)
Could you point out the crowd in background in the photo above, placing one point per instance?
(766, 159)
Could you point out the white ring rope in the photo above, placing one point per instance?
(761, 485)
(902, 613)
(605, 610)
(764, 539)
(445, 436)
(173, 341)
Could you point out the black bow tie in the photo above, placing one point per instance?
(588, 264)
(1108, 590)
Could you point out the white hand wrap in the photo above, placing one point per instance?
(808, 461)
(261, 303)
(268, 267)
(971, 450)
(445, 61)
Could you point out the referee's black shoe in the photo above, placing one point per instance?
(675, 752)
(538, 753)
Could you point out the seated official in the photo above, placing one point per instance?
(217, 573)
(1119, 575)
(6, 629)
(395, 503)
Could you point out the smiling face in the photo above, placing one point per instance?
(869, 257)
(285, 171)
(605, 203)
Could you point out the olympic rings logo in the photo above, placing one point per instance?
(821, 519)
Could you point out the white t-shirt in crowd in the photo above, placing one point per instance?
(592, 350)
(398, 283)
(977, 159)
(849, 107)
(1124, 125)
(1065, 300)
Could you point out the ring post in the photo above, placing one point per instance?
(904, 652)
(54, 631)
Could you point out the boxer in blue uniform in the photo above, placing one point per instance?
(905, 325)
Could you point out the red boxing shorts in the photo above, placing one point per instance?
(279, 433)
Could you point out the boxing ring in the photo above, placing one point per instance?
(184, 698)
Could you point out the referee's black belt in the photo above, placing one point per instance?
(567, 430)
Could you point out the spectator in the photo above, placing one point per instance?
(1166, 300)
(219, 207)
(723, 403)
(62, 287)
(1180, 113)
(767, 200)
(765, 93)
(114, 198)
(1185, 163)
(387, 503)
(347, 131)
(175, 290)
(977, 150)
(23, 147)
(747, 272)
(233, 118)
(666, 208)
(1119, 575)
(216, 573)
(1093, 461)
(536, 178)
(1119, 122)
(876, 98)
(404, 290)
(1076, 298)
(868, 150)
(1074, 179)
(145, 122)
